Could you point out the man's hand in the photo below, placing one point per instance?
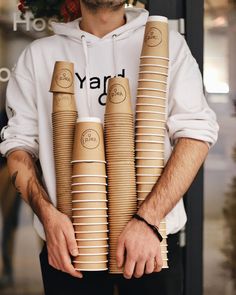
(61, 241)
(138, 250)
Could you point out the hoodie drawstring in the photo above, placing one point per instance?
(85, 49)
(115, 55)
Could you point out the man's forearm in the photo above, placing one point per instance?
(180, 171)
(25, 178)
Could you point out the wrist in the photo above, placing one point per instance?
(149, 214)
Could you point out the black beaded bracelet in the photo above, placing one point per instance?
(153, 227)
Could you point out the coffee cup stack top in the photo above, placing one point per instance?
(89, 196)
(151, 112)
(64, 115)
(120, 158)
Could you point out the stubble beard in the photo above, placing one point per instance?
(95, 5)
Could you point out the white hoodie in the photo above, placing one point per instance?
(29, 103)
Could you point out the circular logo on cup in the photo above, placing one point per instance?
(63, 100)
(117, 93)
(64, 78)
(153, 37)
(90, 139)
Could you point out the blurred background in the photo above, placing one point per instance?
(216, 252)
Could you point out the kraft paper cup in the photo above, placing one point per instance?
(89, 141)
(88, 187)
(91, 235)
(89, 168)
(154, 61)
(82, 243)
(150, 137)
(152, 91)
(90, 219)
(150, 115)
(118, 97)
(150, 145)
(101, 179)
(145, 187)
(63, 102)
(91, 250)
(153, 68)
(93, 257)
(150, 170)
(63, 77)
(90, 227)
(91, 266)
(151, 99)
(152, 107)
(156, 37)
(149, 153)
(150, 130)
(153, 74)
(89, 212)
(153, 162)
(153, 84)
(88, 205)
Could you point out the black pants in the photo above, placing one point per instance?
(167, 282)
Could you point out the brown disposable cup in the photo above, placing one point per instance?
(151, 100)
(88, 187)
(156, 37)
(142, 195)
(101, 227)
(147, 178)
(150, 108)
(90, 219)
(155, 92)
(88, 168)
(91, 235)
(152, 85)
(150, 115)
(87, 196)
(91, 266)
(64, 102)
(118, 98)
(149, 154)
(89, 141)
(93, 250)
(63, 77)
(149, 137)
(145, 187)
(89, 179)
(154, 66)
(151, 170)
(89, 213)
(150, 130)
(85, 258)
(145, 163)
(91, 243)
(165, 265)
(156, 61)
(150, 146)
(95, 204)
(153, 75)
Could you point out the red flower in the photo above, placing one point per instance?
(70, 10)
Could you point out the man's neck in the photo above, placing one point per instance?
(101, 22)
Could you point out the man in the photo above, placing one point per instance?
(106, 41)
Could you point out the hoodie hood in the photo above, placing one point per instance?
(135, 17)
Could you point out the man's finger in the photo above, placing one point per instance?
(120, 254)
(139, 268)
(150, 265)
(129, 268)
(158, 264)
(71, 242)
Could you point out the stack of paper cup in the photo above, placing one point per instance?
(89, 196)
(151, 111)
(63, 120)
(119, 142)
